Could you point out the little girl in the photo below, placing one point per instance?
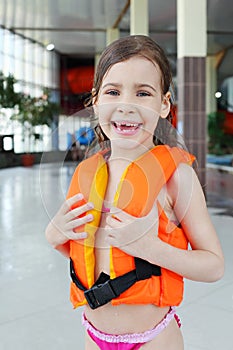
(132, 210)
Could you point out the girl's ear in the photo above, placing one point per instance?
(95, 108)
(93, 94)
(165, 108)
(94, 100)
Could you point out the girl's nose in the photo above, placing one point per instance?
(126, 108)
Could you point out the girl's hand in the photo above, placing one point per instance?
(61, 228)
(131, 234)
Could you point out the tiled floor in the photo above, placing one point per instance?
(35, 312)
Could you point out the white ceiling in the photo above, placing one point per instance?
(78, 27)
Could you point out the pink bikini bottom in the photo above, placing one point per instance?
(127, 341)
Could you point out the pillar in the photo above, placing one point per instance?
(112, 34)
(191, 82)
(139, 22)
(211, 84)
(97, 57)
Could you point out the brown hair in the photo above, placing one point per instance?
(125, 48)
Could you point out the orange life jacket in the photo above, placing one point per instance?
(137, 192)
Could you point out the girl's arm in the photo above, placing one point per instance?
(204, 262)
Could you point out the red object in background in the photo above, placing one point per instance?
(77, 80)
(173, 111)
(228, 123)
(27, 159)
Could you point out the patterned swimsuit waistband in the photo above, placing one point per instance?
(134, 338)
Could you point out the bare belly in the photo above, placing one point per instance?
(125, 318)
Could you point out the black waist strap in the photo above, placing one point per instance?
(106, 289)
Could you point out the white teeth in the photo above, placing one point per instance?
(133, 125)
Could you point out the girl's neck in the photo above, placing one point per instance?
(128, 154)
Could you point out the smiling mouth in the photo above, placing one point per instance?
(126, 127)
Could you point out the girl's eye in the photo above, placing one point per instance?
(112, 92)
(143, 93)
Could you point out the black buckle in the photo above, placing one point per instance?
(100, 295)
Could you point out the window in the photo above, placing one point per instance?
(34, 69)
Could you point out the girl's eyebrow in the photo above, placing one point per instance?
(111, 84)
(146, 85)
(141, 85)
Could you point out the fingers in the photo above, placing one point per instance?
(121, 215)
(74, 213)
(67, 229)
(71, 235)
(118, 217)
(71, 225)
(111, 238)
(70, 202)
(111, 241)
(128, 232)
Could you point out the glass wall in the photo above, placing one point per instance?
(34, 68)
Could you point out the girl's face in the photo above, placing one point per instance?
(130, 102)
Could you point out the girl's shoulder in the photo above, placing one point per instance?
(183, 176)
(184, 185)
